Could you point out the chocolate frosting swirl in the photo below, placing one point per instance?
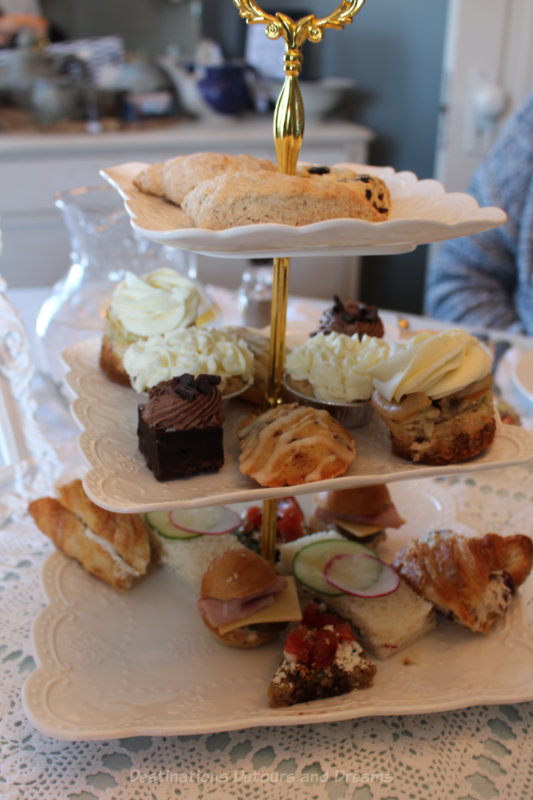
(350, 318)
(184, 403)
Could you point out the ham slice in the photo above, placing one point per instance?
(222, 612)
(388, 518)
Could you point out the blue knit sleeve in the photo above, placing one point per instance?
(486, 279)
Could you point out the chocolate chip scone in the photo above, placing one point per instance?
(250, 198)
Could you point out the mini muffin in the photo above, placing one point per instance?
(156, 303)
(190, 350)
(291, 444)
(350, 318)
(434, 392)
(331, 371)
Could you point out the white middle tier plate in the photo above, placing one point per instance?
(118, 479)
(421, 212)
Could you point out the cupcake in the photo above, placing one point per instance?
(190, 350)
(331, 371)
(351, 318)
(154, 304)
(434, 392)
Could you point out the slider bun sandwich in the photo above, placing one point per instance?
(363, 511)
(243, 601)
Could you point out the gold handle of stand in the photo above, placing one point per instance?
(288, 134)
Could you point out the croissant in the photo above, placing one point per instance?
(113, 547)
(470, 580)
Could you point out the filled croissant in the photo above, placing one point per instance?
(470, 580)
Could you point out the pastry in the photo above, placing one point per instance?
(321, 658)
(470, 580)
(238, 598)
(192, 350)
(249, 198)
(434, 393)
(113, 547)
(154, 304)
(180, 427)
(331, 371)
(351, 318)
(385, 625)
(291, 444)
(174, 178)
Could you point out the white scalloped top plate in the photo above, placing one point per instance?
(421, 212)
(119, 480)
(105, 670)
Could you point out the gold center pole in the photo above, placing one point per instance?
(288, 135)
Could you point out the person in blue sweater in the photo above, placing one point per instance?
(487, 279)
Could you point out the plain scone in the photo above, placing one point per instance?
(250, 198)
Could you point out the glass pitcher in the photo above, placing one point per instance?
(103, 246)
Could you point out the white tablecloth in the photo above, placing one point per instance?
(481, 752)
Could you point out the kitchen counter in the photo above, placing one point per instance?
(34, 166)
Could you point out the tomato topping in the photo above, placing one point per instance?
(290, 522)
(324, 648)
(297, 645)
(345, 632)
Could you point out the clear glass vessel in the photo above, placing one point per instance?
(103, 246)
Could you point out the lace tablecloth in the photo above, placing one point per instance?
(481, 752)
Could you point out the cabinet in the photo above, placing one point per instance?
(33, 167)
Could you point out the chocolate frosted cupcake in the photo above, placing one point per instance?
(350, 318)
(180, 427)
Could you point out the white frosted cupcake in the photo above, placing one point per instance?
(331, 371)
(434, 392)
(190, 350)
(155, 304)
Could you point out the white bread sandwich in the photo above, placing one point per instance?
(384, 624)
(112, 547)
(362, 512)
(243, 602)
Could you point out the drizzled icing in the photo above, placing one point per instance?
(434, 364)
(156, 303)
(337, 365)
(193, 350)
(185, 403)
(273, 438)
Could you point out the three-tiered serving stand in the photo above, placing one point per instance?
(117, 480)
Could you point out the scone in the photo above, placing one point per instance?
(434, 393)
(374, 188)
(350, 318)
(470, 580)
(112, 547)
(154, 304)
(174, 178)
(291, 444)
(249, 198)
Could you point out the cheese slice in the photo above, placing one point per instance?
(285, 608)
(360, 529)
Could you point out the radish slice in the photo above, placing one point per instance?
(208, 520)
(361, 575)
